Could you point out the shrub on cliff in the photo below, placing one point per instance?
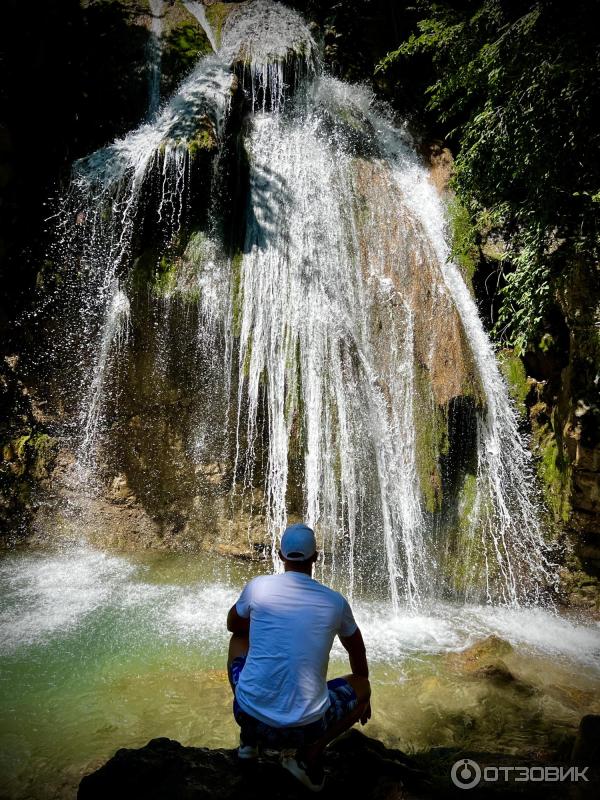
(516, 87)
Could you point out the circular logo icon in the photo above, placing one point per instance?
(465, 773)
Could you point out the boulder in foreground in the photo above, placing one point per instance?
(356, 766)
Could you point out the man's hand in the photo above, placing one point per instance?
(366, 715)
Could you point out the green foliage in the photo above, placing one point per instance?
(516, 87)
(464, 249)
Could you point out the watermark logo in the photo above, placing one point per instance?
(466, 774)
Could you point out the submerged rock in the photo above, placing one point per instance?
(487, 654)
(356, 766)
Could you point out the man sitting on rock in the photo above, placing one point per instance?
(283, 629)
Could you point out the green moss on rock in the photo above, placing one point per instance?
(464, 250)
(182, 46)
(431, 430)
(216, 14)
(553, 465)
(513, 369)
(237, 293)
(466, 556)
(204, 140)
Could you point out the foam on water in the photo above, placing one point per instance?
(48, 595)
(44, 595)
(199, 615)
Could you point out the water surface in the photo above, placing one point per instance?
(100, 651)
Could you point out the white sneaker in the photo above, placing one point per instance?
(314, 780)
(247, 751)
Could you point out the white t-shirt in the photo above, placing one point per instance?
(293, 622)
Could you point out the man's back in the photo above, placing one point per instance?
(293, 622)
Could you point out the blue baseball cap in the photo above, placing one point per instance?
(298, 542)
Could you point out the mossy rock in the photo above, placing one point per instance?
(236, 272)
(553, 469)
(488, 652)
(216, 15)
(182, 47)
(431, 429)
(204, 140)
(513, 370)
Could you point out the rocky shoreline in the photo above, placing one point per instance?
(356, 766)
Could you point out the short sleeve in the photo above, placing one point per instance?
(244, 602)
(348, 624)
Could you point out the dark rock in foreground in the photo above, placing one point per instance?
(356, 766)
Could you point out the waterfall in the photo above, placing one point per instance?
(155, 55)
(343, 335)
(115, 333)
(271, 47)
(197, 10)
(108, 197)
(305, 328)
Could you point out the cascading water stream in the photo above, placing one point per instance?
(305, 327)
(157, 8)
(272, 48)
(197, 10)
(507, 510)
(108, 197)
(351, 331)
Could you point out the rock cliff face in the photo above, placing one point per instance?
(87, 65)
(28, 454)
(564, 408)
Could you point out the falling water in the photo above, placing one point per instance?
(115, 333)
(110, 192)
(351, 332)
(197, 10)
(155, 55)
(272, 47)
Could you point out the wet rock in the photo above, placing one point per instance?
(27, 454)
(356, 766)
(572, 697)
(484, 661)
(586, 749)
(483, 657)
(440, 162)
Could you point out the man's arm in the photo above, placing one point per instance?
(357, 653)
(237, 624)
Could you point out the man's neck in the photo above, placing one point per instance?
(304, 569)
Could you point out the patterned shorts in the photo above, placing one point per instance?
(342, 700)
